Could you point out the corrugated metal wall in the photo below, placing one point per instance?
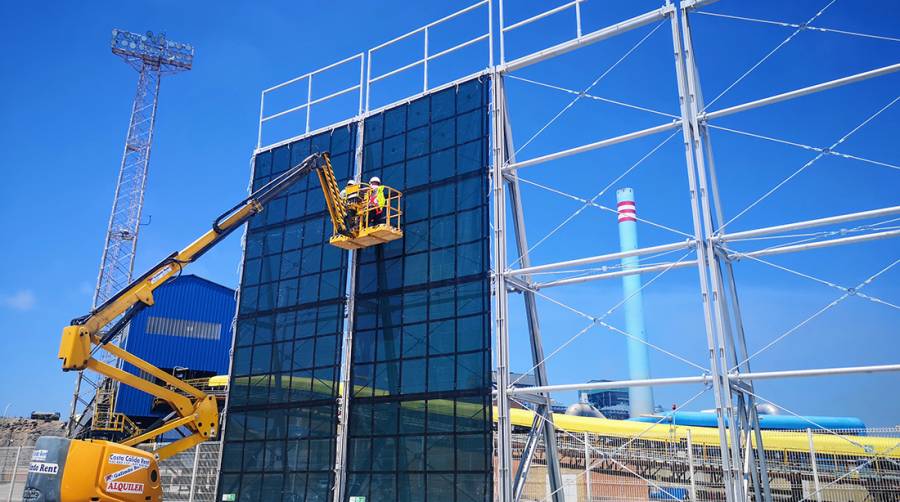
(176, 331)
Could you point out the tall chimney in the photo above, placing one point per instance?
(640, 398)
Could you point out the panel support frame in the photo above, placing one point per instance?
(711, 299)
(501, 301)
(343, 431)
(543, 420)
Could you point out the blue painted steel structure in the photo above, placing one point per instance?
(775, 422)
(189, 326)
(640, 398)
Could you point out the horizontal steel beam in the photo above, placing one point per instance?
(732, 255)
(705, 379)
(603, 257)
(789, 227)
(593, 146)
(613, 275)
(372, 112)
(542, 15)
(395, 71)
(314, 72)
(429, 25)
(884, 70)
(313, 102)
(696, 4)
(589, 38)
(459, 46)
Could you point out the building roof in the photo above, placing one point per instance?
(197, 277)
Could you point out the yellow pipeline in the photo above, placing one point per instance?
(827, 444)
(865, 446)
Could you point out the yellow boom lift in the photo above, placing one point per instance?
(367, 227)
(70, 470)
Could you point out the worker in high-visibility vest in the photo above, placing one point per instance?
(377, 202)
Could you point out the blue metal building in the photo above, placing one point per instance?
(188, 327)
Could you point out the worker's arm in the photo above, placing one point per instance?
(197, 411)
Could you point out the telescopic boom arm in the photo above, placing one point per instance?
(197, 411)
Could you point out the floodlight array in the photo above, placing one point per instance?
(152, 48)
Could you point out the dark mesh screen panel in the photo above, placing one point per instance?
(420, 415)
(280, 435)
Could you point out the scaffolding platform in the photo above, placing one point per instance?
(371, 236)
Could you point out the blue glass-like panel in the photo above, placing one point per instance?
(420, 367)
(282, 402)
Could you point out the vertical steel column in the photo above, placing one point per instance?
(720, 384)
(194, 473)
(12, 479)
(813, 463)
(747, 401)
(501, 34)
(589, 492)
(543, 420)
(340, 467)
(308, 99)
(690, 459)
(743, 418)
(76, 397)
(490, 23)
(501, 305)
(735, 341)
(262, 105)
(425, 63)
(368, 77)
(578, 18)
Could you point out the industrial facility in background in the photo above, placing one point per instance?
(152, 56)
(612, 403)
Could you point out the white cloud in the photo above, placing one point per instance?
(20, 300)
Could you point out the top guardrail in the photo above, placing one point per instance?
(368, 78)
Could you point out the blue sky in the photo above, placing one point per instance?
(65, 102)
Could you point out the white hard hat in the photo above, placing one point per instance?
(351, 182)
(374, 179)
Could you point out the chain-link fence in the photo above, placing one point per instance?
(603, 468)
(606, 468)
(14, 462)
(189, 476)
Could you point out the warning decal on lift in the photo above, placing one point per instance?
(43, 468)
(124, 487)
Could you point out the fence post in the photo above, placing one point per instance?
(12, 479)
(812, 461)
(587, 469)
(194, 473)
(690, 459)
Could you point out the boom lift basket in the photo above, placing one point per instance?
(367, 230)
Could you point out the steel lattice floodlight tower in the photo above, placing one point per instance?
(152, 56)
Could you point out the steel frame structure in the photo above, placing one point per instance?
(152, 56)
(729, 374)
